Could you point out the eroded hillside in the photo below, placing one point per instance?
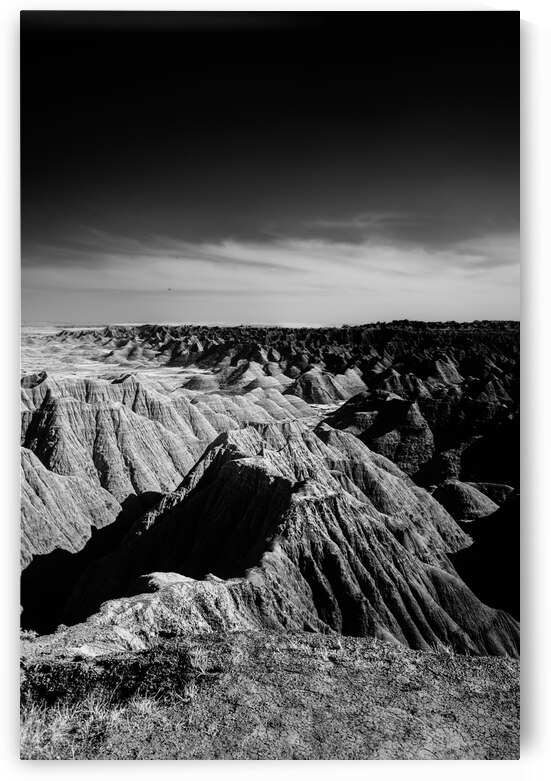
(327, 475)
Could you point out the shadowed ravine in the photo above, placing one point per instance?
(48, 581)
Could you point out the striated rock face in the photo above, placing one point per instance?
(59, 511)
(390, 425)
(464, 501)
(436, 433)
(458, 383)
(130, 436)
(204, 463)
(319, 387)
(99, 451)
(266, 507)
(404, 357)
(497, 492)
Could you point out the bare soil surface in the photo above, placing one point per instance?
(257, 695)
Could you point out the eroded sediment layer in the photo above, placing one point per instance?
(260, 515)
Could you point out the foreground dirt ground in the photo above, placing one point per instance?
(256, 695)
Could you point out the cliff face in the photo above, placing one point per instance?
(59, 511)
(126, 437)
(437, 430)
(266, 511)
(252, 510)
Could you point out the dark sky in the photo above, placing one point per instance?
(285, 167)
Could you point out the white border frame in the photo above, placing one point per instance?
(536, 401)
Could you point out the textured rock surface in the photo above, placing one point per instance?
(272, 519)
(441, 399)
(497, 492)
(321, 387)
(125, 437)
(390, 425)
(463, 501)
(59, 511)
(268, 508)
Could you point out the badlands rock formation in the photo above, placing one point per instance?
(463, 500)
(126, 436)
(306, 530)
(440, 399)
(277, 479)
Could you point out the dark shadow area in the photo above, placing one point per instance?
(491, 565)
(211, 531)
(48, 581)
(496, 456)
(490, 457)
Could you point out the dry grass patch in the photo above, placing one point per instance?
(66, 730)
(97, 728)
(256, 695)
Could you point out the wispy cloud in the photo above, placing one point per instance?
(369, 221)
(95, 248)
(321, 276)
(494, 250)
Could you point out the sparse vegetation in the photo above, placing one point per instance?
(94, 726)
(245, 695)
(129, 707)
